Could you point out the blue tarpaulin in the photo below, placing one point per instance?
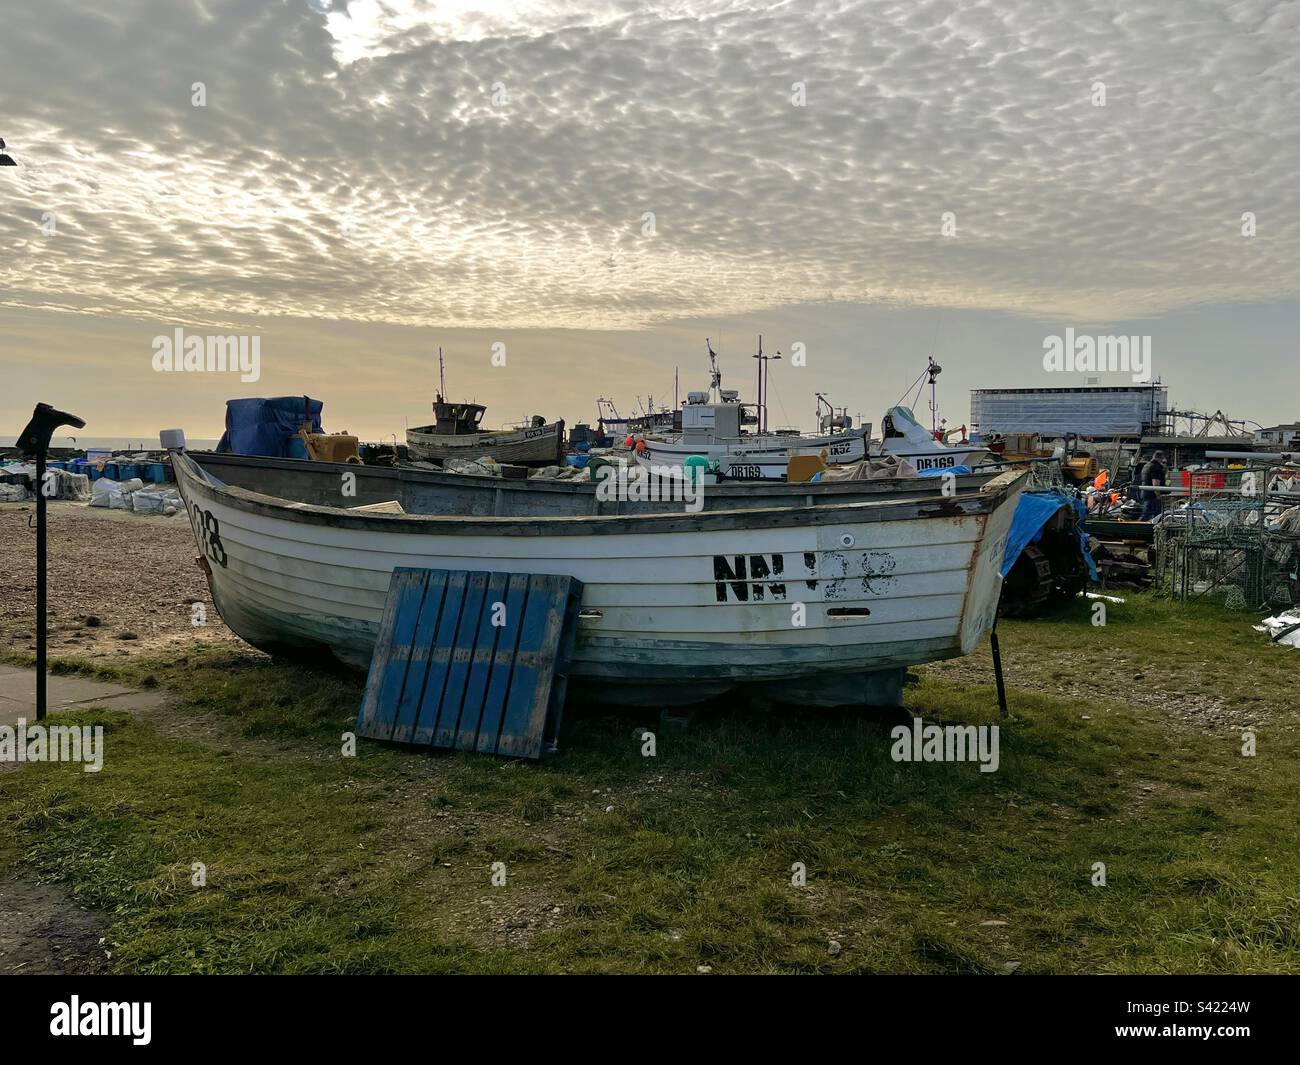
(1035, 510)
(266, 426)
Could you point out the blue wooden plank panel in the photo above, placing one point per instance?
(408, 588)
(462, 651)
(564, 656)
(473, 661)
(502, 662)
(480, 668)
(429, 610)
(440, 657)
(368, 718)
(534, 665)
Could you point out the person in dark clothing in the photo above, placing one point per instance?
(1139, 468)
(1154, 474)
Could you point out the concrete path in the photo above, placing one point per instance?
(42, 929)
(66, 692)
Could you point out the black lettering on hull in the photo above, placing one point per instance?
(748, 578)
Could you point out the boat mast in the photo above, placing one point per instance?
(934, 370)
(442, 376)
(763, 368)
(715, 378)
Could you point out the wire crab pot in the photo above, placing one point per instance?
(1234, 539)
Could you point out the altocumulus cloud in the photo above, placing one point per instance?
(487, 164)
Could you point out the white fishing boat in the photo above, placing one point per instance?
(814, 600)
(714, 428)
(712, 431)
(905, 438)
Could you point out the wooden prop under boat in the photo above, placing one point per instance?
(812, 602)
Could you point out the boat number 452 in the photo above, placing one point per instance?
(207, 531)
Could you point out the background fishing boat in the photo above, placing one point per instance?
(455, 434)
(714, 427)
(817, 603)
(712, 431)
(905, 438)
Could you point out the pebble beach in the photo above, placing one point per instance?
(120, 583)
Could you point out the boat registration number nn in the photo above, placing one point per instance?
(935, 464)
(748, 472)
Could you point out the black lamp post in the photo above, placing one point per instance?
(35, 441)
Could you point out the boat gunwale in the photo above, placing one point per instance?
(749, 489)
(969, 504)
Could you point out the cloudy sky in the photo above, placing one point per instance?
(599, 185)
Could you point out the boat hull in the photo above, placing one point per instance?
(942, 458)
(754, 458)
(676, 607)
(543, 445)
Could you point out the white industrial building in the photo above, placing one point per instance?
(1121, 412)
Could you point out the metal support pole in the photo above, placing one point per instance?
(997, 670)
(41, 612)
(34, 440)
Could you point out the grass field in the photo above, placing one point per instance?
(1124, 747)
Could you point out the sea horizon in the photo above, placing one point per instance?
(116, 443)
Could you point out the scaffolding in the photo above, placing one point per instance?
(1232, 536)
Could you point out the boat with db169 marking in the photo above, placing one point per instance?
(818, 597)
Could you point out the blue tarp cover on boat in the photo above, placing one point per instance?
(265, 426)
(956, 471)
(1035, 510)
